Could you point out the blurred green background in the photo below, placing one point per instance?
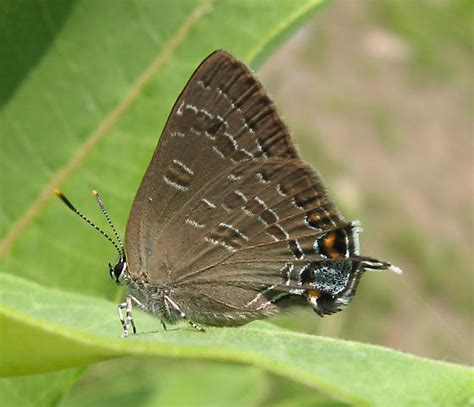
(379, 97)
(378, 94)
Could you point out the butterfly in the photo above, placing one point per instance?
(229, 225)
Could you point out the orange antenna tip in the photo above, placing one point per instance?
(94, 192)
(60, 195)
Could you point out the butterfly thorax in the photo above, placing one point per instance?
(151, 298)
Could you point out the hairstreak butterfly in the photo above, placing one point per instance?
(229, 225)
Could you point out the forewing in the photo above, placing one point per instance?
(264, 209)
(222, 117)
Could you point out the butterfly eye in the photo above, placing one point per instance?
(117, 272)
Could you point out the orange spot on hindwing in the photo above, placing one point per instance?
(313, 294)
(333, 245)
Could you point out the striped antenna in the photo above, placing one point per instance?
(68, 203)
(109, 221)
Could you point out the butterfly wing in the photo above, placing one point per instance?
(227, 215)
(223, 116)
(254, 235)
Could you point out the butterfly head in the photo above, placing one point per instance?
(119, 271)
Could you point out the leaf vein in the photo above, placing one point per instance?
(102, 129)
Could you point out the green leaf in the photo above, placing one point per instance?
(88, 114)
(86, 88)
(87, 330)
(40, 390)
(168, 384)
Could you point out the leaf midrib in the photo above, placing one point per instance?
(102, 129)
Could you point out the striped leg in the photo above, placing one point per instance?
(182, 314)
(127, 306)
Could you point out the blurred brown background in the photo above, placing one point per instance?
(379, 98)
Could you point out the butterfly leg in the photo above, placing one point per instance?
(182, 314)
(127, 306)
